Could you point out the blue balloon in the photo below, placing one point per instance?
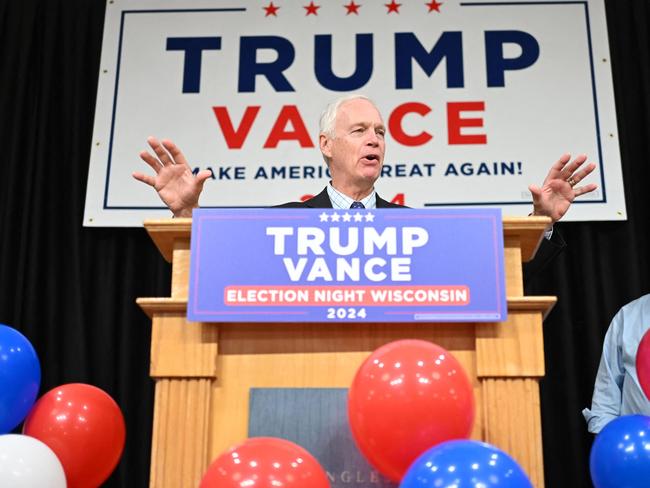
(620, 455)
(20, 378)
(463, 464)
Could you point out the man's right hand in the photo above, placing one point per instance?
(177, 187)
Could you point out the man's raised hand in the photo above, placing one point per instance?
(174, 181)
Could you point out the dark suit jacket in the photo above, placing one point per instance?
(547, 251)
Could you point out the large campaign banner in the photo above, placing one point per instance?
(479, 99)
(326, 265)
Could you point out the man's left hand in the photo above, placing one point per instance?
(560, 188)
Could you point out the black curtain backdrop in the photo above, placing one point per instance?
(71, 289)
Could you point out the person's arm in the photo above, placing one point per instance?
(608, 388)
(548, 250)
(553, 200)
(174, 181)
(559, 189)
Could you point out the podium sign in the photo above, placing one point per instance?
(327, 265)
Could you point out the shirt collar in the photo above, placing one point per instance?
(342, 202)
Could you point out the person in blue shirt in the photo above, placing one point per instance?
(617, 390)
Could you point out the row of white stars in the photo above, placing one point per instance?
(346, 217)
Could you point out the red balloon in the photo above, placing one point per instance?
(84, 427)
(408, 396)
(265, 462)
(643, 363)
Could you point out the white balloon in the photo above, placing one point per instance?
(25, 462)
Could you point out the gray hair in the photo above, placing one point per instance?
(328, 117)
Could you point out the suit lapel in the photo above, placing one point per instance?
(381, 203)
(322, 200)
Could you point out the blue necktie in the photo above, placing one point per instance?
(357, 205)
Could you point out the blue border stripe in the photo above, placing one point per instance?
(495, 4)
(478, 204)
(593, 92)
(184, 10)
(162, 207)
(110, 140)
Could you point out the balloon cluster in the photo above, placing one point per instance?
(72, 436)
(410, 410)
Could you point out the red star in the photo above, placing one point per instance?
(393, 6)
(433, 5)
(271, 10)
(353, 8)
(311, 8)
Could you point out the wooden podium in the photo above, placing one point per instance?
(203, 371)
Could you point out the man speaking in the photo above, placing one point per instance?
(352, 141)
